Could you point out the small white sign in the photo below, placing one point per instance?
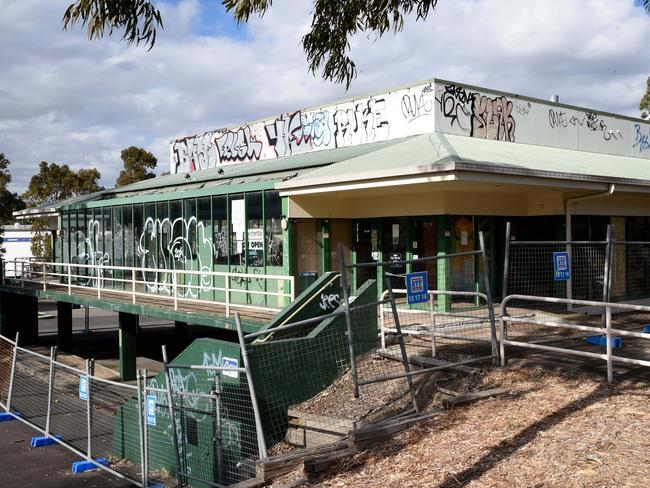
(230, 363)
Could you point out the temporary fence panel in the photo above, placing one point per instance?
(561, 298)
(425, 324)
(73, 407)
(302, 376)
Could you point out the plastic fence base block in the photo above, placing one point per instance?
(82, 466)
(44, 441)
(157, 485)
(599, 340)
(646, 329)
(6, 417)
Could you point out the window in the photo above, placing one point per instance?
(255, 230)
(220, 230)
(237, 229)
(273, 217)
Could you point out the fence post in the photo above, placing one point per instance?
(90, 367)
(12, 372)
(506, 261)
(69, 279)
(433, 325)
(22, 274)
(172, 416)
(217, 422)
(261, 443)
(50, 388)
(402, 347)
(488, 293)
(44, 284)
(502, 346)
(608, 337)
(348, 320)
(142, 425)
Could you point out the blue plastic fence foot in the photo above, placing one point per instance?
(646, 329)
(6, 417)
(44, 441)
(82, 466)
(601, 340)
(157, 485)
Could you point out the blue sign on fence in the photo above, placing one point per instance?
(83, 388)
(151, 410)
(230, 363)
(561, 266)
(417, 287)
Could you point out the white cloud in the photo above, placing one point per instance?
(64, 99)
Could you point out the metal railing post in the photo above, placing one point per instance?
(99, 284)
(608, 337)
(228, 295)
(490, 304)
(502, 337)
(506, 262)
(261, 442)
(50, 389)
(44, 281)
(133, 285)
(293, 288)
(89, 422)
(12, 373)
(69, 279)
(175, 288)
(172, 416)
(22, 274)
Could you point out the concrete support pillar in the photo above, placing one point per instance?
(128, 334)
(19, 313)
(64, 325)
(180, 328)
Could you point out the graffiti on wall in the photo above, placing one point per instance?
(589, 120)
(365, 120)
(641, 138)
(483, 116)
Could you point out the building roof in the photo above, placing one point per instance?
(436, 153)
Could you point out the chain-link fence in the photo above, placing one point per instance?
(191, 424)
(427, 322)
(562, 297)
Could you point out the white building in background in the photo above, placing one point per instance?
(16, 242)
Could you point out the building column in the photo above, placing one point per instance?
(128, 345)
(180, 328)
(64, 325)
(19, 313)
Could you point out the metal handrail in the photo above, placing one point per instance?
(608, 306)
(98, 278)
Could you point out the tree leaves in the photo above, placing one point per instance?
(139, 19)
(55, 183)
(327, 44)
(136, 162)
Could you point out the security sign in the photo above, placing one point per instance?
(151, 410)
(83, 388)
(417, 287)
(561, 266)
(230, 363)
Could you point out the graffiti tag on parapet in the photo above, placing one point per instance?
(590, 121)
(455, 104)
(415, 106)
(329, 301)
(194, 154)
(641, 139)
(492, 118)
(360, 124)
(480, 115)
(295, 133)
(237, 145)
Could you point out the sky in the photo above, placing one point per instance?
(65, 99)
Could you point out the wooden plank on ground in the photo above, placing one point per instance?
(274, 466)
(426, 362)
(320, 464)
(473, 396)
